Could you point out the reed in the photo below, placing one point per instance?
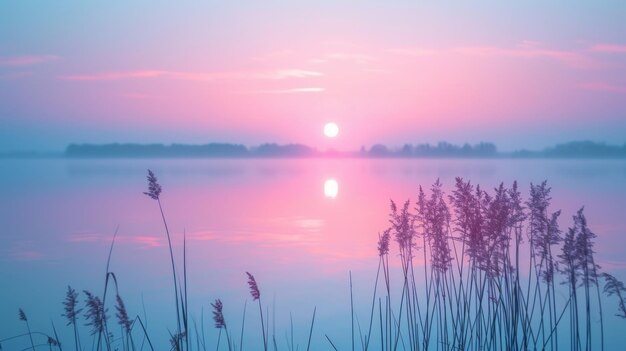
(478, 270)
(23, 318)
(256, 296)
(472, 295)
(154, 192)
(71, 313)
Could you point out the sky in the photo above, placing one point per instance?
(522, 75)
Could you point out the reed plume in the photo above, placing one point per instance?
(584, 248)
(53, 342)
(122, 314)
(23, 318)
(383, 243)
(220, 322)
(22, 315)
(494, 257)
(70, 304)
(176, 340)
(435, 218)
(71, 313)
(154, 188)
(154, 192)
(543, 230)
(256, 295)
(96, 313)
(615, 287)
(254, 288)
(468, 221)
(218, 315)
(402, 226)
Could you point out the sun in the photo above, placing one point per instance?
(331, 129)
(331, 188)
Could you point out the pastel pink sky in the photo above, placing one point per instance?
(520, 76)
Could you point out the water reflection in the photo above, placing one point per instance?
(331, 188)
(264, 216)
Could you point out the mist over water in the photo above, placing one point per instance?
(299, 226)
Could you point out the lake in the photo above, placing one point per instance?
(299, 225)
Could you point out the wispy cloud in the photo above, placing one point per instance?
(147, 241)
(15, 75)
(609, 48)
(26, 255)
(286, 91)
(413, 52)
(604, 87)
(117, 75)
(136, 96)
(310, 224)
(202, 236)
(530, 50)
(25, 250)
(527, 49)
(612, 265)
(343, 56)
(141, 240)
(27, 60)
(287, 73)
(278, 54)
(86, 237)
(278, 74)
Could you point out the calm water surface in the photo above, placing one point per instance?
(299, 226)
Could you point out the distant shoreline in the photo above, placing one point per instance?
(442, 150)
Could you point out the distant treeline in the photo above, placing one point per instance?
(442, 149)
(224, 150)
(577, 149)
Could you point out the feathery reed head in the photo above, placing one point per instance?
(176, 339)
(435, 217)
(122, 314)
(402, 224)
(52, 341)
(218, 316)
(584, 248)
(154, 188)
(615, 287)
(70, 303)
(96, 314)
(383, 242)
(539, 220)
(254, 288)
(22, 315)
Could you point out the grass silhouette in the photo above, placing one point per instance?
(478, 270)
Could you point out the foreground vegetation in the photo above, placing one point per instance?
(473, 270)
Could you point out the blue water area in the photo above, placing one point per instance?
(300, 226)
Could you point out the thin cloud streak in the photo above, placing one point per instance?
(414, 52)
(136, 96)
(15, 75)
(148, 241)
(178, 75)
(530, 50)
(525, 50)
(342, 56)
(287, 91)
(27, 60)
(609, 48)
(604, 87)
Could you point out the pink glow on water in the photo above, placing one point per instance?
(270, 217)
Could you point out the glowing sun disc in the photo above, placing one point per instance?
(331, 129)
(331, 188)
